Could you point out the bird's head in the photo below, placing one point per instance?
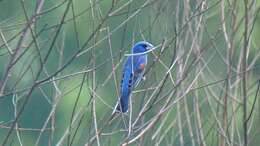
(141, 47)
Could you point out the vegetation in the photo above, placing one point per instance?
(61, 64)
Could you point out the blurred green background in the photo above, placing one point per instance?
(157, 21)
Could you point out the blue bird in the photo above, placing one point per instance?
(133, 70)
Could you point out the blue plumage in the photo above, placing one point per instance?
(132, 73)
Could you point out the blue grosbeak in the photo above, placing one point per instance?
(132, 73)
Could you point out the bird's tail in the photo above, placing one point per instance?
(122, 105)
(120, 108)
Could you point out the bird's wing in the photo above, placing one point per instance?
(127, 81)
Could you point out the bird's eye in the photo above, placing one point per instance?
(144, 45)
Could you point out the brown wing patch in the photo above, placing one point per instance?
(142, 66)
